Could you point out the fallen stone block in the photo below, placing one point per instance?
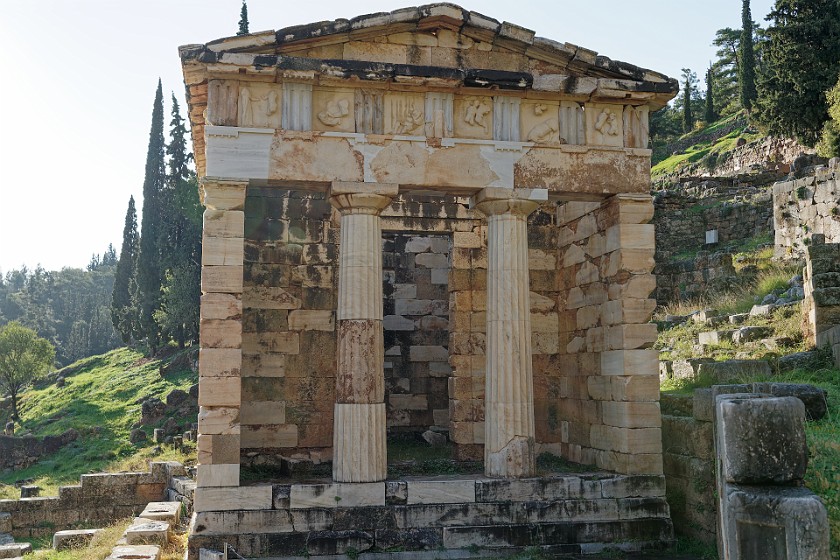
(163, 511)
(762, 310)
(748, 334)
(135, 552)
(146, 531)
(814, 398)
(797, 360)
(704, 315)
(15, 550)
(73, 538)
(761, 440)
(714, 337)
(738, 318)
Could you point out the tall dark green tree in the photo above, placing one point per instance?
(802, 62)
(149, 266)
(689, 81)
(243, 19)
(123, 312)
(746, 81)
(710, 114)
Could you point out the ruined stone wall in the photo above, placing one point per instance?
(683, 216)
(806, 206)
(602, 389)
(688, 459)
(17, 453)
(98, 500)
(821, 281)
(691, 278)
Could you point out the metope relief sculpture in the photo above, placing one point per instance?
(259, 106)
(297, 106)
(404, 114)
(604, 125)
(538, 122)
(222, 100)
(334, 112)
(474, 117)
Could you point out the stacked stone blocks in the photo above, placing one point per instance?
(821, 280)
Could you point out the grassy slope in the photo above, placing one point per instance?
(101, 401)
(823, 476)
(704, 147)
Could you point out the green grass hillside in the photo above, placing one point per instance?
(100, 399)
(707, 145)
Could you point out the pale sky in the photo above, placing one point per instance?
(79, 76)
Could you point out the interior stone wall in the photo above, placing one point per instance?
(416, 329)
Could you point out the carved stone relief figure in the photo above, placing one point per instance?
(297, 106)
(334, 112)
(259, 106)
(636, 127)
(545, 132)
(223, 97)
(571, 123)
(404, 113)
(538, 122)
(506, 118)
(369, 111)
(438, 115)
(604, 125)
(476, 111)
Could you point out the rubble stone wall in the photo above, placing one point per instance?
(821, 280)
(804, 207)
(688, 456)
(99, 499)
(690, 278)
(17, 453)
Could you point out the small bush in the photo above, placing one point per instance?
(801, 193)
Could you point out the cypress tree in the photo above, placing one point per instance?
(711, 115)
(243, 19)
(123, 313)
(802, 62)
(747, 67)
(688, 116)
(149, 272)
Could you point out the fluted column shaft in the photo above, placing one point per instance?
(509, 386)
(359, 453)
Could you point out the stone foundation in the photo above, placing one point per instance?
(568, 513)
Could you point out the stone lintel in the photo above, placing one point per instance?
(350, 187)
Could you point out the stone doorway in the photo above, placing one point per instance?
(416, 329)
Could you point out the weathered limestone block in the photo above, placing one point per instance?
(162, 511)
(135, 552)
(233, 499)
(762, 439)
(146, 531)
(76, 538)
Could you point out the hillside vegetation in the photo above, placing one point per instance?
(101, 398)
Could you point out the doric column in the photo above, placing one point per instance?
(509, 386)
(359, 453)
(220, 354)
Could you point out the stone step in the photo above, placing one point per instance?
(146, 531)
(163, 511)
(14, 550)
(135, 552)
(73, 538)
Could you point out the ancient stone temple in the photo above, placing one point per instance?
(424, 219)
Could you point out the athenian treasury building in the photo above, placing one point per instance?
(424, 220)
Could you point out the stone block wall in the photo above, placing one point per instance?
(17, 453)
(684, 215)
(601, 391)
(416, 328)
(688, 456)
(821, 281)
(98, 500)
(690, 278)
(804, 207)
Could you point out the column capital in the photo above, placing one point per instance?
(361, 198)
(222, 194)
(493, 201)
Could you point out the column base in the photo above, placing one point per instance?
(359, 452)
(514, 460)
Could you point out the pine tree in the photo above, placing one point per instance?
(123, 312)
(689, 79)
(243, 19)
(149, 270)
(802, 60)
(746, 75)
(710, 115)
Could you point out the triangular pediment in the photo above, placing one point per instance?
(438, 35)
